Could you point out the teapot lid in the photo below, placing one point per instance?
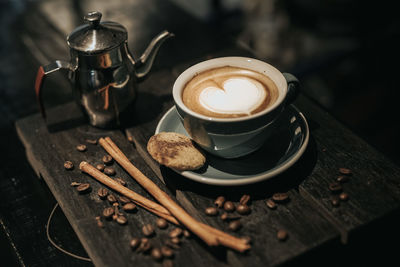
(95, 37)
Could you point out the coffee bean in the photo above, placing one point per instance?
(282, 235)
(156, 254)
(129, 207)
(99, 222)
(107, 159)
(83, 188)
(344, 196)
(335, 201)
(342, 178)
(211, 211)
(167, 252)
(175, 240)
(186, 233)
(176, 232)
(235, 225)
(111, 198)
(121, 219)
(229, 206)
(91, 141)
(335, 187)
(120, 181)
(134, 243)
(108, 212)
(81, 148)
(271, 204)
(244, 199)
(100, 167)
(345, 171)
(109, 171)
(243, 209)
(148, 230)
(68, 165)
(173, 245)
(167, 263)
(219, 202)
(145, 245)
(102, 192)
(124, 199)
(75, 184)
(161, 223)
(280, 197)
(226, 217)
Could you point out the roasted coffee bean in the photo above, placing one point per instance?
(83, 188)
(156, 254)
(176, 232)
(282, 235)
(345, 171)
(120, 181)
(109, 171)
(335, 201)
(219, 202)
(280, 197)
(342, 178)
(244, 200)
(124, 199)
(130, 139)
(107, 159)
(173, 245)
(211, 211)
(175, 240)
(100, 167)
(111, 198)
(68, 165)
(161, 223)
(121, 219)
(344, 196)
(91, 141)
(235, 225)
(167, 252)
(335, 187)
(75, 184)
(102, 192)
(108, 212)
(186, 233)
(99, 222)
(229, 217)
(167, 263)
(229, 206)
(134, 243)
(271, 204)
(148, 230)
(81, 148)
(243, 209)
(129, 207)
(145, 245)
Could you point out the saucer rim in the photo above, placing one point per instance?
(279, 168)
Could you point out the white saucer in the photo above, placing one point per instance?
(280, 152)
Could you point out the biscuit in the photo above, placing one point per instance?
(175, 151)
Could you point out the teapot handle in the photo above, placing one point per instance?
(40, 77)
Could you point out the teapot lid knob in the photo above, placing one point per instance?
(93, 18)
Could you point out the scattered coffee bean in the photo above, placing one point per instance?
(145, 245)
(229, 206)
(271, 204)
(243, 209)
(280, 197)
(173, 245)
(235, 225)
(134, 243)
(167, 263)
(342, 178)
(111, 198)
(129, 207)
(211, 211)
(100, 167)
(282, 235)
(335, 201)
(91, 141)
(102, 192)
(107, 159)
(175, 240)
(219, 202)
(344, 196)
(224, 216)
(161, 223)
(81, 148)
(75, 184)
(83, 188)
(108, 212)
(335, 187)
(68, 165)
(227, 217)
(148, 230)
(121, 219)
(124, 199)
(176, 232)
(186, 233)
(109, 171)
(167, 252)
(156, 254)
(120, 181)
(244, 200)
(345, 171)
(130, 139)
(99, 222)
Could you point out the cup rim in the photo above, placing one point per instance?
(245, 62)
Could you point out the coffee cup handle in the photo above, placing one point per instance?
(293, 88)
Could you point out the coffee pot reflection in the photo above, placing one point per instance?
(102, 71)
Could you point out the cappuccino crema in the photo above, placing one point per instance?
(229, 92)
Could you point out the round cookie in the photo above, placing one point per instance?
(176, 151)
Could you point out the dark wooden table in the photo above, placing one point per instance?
(356, 232)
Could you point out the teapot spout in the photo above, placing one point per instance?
(143, 65)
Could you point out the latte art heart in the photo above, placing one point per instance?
(238, 96)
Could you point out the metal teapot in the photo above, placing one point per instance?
(102, 70)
